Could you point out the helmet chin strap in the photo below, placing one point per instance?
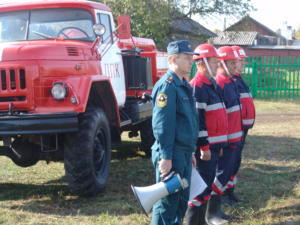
(225, 67)
(208, 67)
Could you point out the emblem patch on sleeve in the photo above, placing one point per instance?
(161, 100)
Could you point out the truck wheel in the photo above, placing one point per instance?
(87, 153)
(147, 138)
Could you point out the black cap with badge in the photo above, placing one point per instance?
(182, 46)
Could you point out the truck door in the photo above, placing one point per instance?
(111, 62)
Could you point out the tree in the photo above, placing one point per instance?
(234, 8)
(151, 18)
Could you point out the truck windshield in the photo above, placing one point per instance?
(66, 23)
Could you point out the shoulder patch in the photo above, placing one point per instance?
(169, 80)
(161, 100)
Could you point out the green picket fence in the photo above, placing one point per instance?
(271, 77)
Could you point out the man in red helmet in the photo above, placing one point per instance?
(248, 118)
(213, 129)
(228, 62)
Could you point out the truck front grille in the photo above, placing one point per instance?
(12, 85)
(12, 79)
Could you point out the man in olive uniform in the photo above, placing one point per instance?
(175, 129)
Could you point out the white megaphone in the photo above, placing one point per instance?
(147, 196)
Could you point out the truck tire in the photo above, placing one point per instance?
(147, 138)
(87, 153)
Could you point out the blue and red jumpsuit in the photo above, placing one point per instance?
(248, 118)
(228, 162)
(213, 129)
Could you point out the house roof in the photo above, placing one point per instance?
(188, 25)
(234, 38)
(248, 18)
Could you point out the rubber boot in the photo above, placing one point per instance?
(195, 215)
(224, 216)
(232, 196)
(227, 201)
(213, 207)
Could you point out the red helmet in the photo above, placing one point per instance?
(205, 51)
(227, 53)
(240, 51)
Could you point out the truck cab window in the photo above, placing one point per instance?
(104, 19)
(13, 26)
(66, 23)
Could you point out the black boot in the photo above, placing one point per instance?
(195, 215)
(232, 196)
(227, 201)
(213, 207)
(224, 216)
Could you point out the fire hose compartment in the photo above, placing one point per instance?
(138, 72)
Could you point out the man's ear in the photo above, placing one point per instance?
(172, 59)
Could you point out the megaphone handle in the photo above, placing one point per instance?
(168, 176)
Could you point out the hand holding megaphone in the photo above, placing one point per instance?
(147, 196)
(165, 166)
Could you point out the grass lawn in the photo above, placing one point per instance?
(269, 178)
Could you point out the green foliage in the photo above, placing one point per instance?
(213, 7)
(149, 19)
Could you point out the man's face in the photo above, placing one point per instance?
(184, 63)
(231, 65)
(240, 66)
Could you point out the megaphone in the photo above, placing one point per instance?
(147, 196)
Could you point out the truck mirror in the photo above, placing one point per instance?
(99, 29)
(124, 30)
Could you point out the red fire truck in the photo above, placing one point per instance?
(71, 81)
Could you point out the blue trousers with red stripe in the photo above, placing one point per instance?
(207, 170)
(237, 165)
(226, 167)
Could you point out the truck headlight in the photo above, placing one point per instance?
(59, 91)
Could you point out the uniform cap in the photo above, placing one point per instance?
(182, 46)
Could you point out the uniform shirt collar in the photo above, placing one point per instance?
(238, 75)
(176, 79)
(203, 78)
(224, 78)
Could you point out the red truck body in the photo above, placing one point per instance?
(59, 81)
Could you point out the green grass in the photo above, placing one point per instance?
(269, 178)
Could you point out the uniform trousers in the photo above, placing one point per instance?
(207, 170)
(237, 165)
(227, 164)
(170, 210)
